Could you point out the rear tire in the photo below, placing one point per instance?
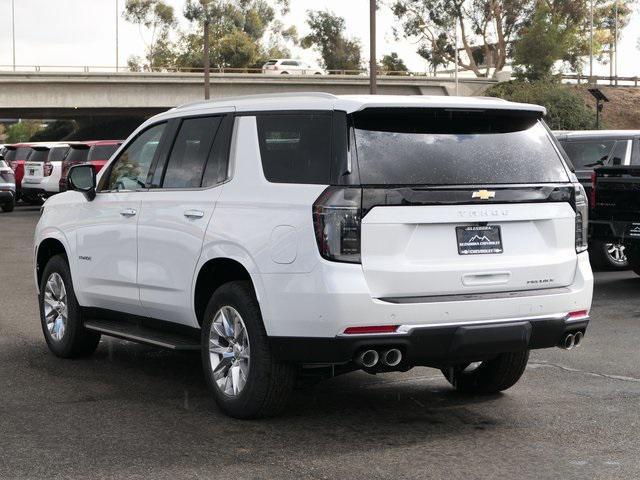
(60, 313)
(490, 376)
(608, 256)
(233, 336)
(9, 206)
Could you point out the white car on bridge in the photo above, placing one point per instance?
(289, 66)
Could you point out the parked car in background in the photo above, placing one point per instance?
(312, 231)
(15, 156)
(286, 66)
(95, 152)
(42, 171)
(591, 149)
(7, 186)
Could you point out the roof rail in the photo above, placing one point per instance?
(329, 96)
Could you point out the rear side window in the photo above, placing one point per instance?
(295, 148)
(454, 147)
(10, 154)
(619, 153)
(191, 149)
(586, 155)
(102, 152)
(22, 153)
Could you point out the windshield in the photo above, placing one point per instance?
(454, 147)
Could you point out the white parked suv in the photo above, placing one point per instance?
(43, 170)
(324, 234)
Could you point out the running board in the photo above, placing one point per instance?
(134, 332)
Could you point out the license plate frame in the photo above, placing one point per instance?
(479, 240)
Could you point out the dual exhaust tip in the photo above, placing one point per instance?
(571, 340)
(388, 358)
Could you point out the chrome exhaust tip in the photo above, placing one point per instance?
(568, 342)
(367, 358)
(391, 357)
(577, 339)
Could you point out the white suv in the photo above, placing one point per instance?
(324, 234)
(290, 66)
(43, 170)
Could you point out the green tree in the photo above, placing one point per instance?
(157, 18)
(22, 131)
(328, 36)
(236, 31)
(486, 30)
(393, 65)
(566, 110)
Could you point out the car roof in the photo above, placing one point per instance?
(567, 134)
(45, 146)
(347, 103)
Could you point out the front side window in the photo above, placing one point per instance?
(586, 155)
(295, 148)
(130, 169)
(454, 147)
(191, 149)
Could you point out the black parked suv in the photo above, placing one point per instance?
(587, 151)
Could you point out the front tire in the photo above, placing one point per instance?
(60, 314)
(490, 376)
(240, 370)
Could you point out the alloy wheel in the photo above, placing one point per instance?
(56, 310)
(616, 252)
(229, 351)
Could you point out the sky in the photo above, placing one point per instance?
(82, 33)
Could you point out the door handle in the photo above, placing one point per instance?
(194, 214)
(128, 212)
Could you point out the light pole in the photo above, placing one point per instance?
(455, 33)
(373, 62)
(591, 42)
(615, 42)
(13, 31)
(117, 39)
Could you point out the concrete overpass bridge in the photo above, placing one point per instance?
(92, 95)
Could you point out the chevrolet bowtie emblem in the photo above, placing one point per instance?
(483, 194)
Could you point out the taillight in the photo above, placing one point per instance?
(337, 214)
(582, 218)
(47, 169)
(592, 193)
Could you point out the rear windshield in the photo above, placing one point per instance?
(39, 155)
(57, 154)
(586, 155)
(20, 153)
(454, 147)
(102, 152)
(271, 62)
(77, 155)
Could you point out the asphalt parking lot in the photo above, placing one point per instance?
(136, 412)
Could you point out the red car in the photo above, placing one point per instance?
(15, 156)
(96, 152)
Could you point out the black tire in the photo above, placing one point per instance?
(76, 342)
(601, 258)
(269, 383)
(633, 256)
(491, 376)
(8, 207)
(32, 200)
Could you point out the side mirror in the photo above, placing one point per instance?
(82, 178)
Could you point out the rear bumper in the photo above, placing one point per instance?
(435, 345)
(335, 296)
(611, 230)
